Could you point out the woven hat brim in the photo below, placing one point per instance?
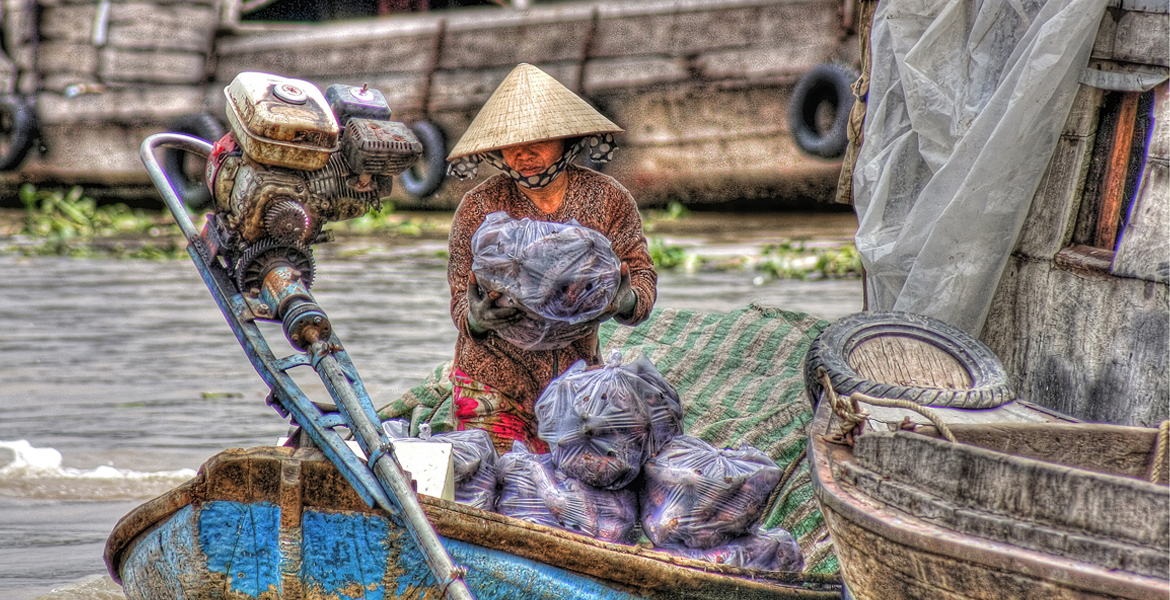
(529, 106)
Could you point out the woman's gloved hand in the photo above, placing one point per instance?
(483, 314)
(624, 301)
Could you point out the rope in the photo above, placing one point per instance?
(1161, 452)
(853, 417)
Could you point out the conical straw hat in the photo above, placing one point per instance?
(529, 106)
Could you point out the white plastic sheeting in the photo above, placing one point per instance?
(967, 99)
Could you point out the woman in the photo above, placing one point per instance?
(532, 128)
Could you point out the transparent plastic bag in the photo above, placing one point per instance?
(768, 550)
(474, 456)
(601, 423)
(561, 275)
(700, 497)
(531, 489)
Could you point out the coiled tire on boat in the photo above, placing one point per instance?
(833, 350)
(18, 129)
(829, 84)
(190, 186)
(424, 178)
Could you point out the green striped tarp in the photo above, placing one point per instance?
(740, 378)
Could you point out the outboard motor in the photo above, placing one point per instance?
(295, 159)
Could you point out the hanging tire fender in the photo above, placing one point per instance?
(18, 129)
(426, 176)
(830, 84)
(191, 187)
(833, 351)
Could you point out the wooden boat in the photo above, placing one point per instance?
(1012, 510)
(704, 88)
(278, 522)
(1021, 503)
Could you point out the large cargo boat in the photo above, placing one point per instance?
(704, 88)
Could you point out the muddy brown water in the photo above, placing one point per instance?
(119, 378)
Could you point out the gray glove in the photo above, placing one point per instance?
(483, 313)
(624, 300)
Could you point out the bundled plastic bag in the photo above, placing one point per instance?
(531, 489)
(561, 275)
(661, 398)
(474, 456)
(769, 550)
(600, 423)
(701, 497)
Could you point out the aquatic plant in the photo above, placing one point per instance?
(388, 222)
(69, 223)
(796, 261)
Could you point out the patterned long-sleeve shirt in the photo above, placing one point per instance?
(596, 201)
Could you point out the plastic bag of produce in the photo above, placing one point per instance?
(661, 398)
(701, 497)
(598, 423)
(474, 456)
(561, 275)
(769, 550)
(531, 489)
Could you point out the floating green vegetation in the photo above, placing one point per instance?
(786, 260)
(69, 223)
(388, 222)
(666, 256)
(673, 212)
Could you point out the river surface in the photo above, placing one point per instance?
(119, 378)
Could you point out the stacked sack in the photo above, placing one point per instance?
(561, 276)
(534, 490)
(607, 426)
(702, 502)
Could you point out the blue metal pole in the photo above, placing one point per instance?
(379, 481)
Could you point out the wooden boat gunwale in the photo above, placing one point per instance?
(633, 569)
(919, 535)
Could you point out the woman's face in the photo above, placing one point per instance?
(533, 157)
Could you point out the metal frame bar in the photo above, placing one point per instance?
(382, 482)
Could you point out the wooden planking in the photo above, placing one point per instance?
(1144, 249)
(189, 27)
(94, 148)
(692, 113)
(1124, 509)
(151, 66)
(79, 58)
(69, 23)
(489, 47)
(1095, 348)
(318, 54)
(878, 568)
(1048, 226)
(1130, 36)
(121, 105)
(909, 362)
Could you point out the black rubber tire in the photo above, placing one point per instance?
(18, 129)
(426, 176)
(831, 350)
(191, 187)
(824, 83)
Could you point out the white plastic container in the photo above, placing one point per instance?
(281, 121)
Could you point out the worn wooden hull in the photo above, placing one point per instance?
(928, 519)
(281, 523)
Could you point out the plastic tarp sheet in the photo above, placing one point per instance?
(967, 100)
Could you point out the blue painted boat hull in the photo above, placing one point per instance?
(279, 523)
